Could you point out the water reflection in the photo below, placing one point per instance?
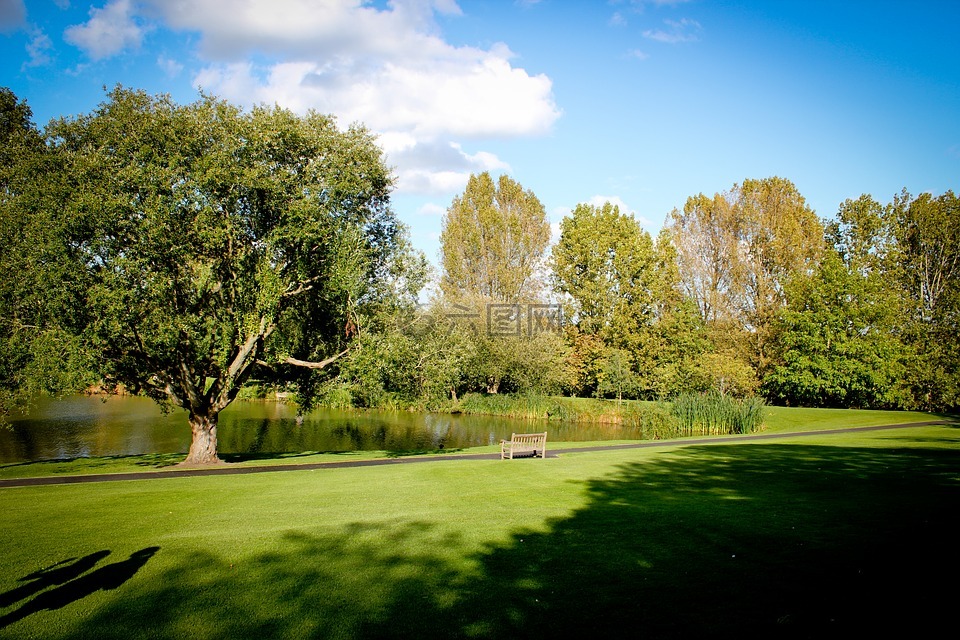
(91, 426)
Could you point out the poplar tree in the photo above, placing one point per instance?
(493, 242)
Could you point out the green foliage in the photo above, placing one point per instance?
(652, 421)
(492, 242)
(927, 232)
(737, 250)
(605, 262)
(837, 341)
(713, 413)
(213, 245)
(41, 293)
(617, 378)
(522, 407)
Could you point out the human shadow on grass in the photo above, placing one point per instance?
(732, 541)
(72, 583)
(60, 573)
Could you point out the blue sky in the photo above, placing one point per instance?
(642, 102)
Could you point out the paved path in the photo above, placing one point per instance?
(379, 462)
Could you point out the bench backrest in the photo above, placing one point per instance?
(528, 440)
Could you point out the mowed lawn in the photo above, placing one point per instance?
(815, 536)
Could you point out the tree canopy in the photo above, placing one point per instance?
(493, 241)
(183, 251)
(215, 244)
(737, 249)
(604, 261)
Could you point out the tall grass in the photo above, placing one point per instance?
(712, 413)
(652, 421)
(522, 407)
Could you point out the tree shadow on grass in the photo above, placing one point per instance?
(73, 583)
(153, 460)
(744, 541)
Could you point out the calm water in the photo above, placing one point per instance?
(89, 426)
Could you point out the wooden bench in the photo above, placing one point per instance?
(524, 445)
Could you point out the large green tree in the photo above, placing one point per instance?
(736, 251)
(927, 254)
(493, 242)
(40, 292)
(837, 340)
(217, 244)
(604, 261)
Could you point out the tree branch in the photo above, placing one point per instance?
(226, 386)
(317, 365)
(304, 286)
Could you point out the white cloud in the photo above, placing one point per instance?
(38, 49)
(13, 15)
(430, 181)
(678, 31)
(463, 95)
(387, 68)
(435, 168)
(432, 209)
(618, 202)
(109, 31)
(170, 67)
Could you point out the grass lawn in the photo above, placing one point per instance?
(782, 419)
(777, 420)
(818, 536)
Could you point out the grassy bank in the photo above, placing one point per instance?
(691, 416)
(822, 537)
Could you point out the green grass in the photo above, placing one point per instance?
(776, 420)
(821, 536)
(166, 461)
(780, 419)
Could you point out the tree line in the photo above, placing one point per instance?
(185, 252)
(745, 293)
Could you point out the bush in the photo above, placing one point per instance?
(335, 396)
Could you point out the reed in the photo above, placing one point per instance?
(713, 413)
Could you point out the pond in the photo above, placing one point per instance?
(84, 426)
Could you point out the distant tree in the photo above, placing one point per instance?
(670, 351)
(927, 233)
(617, 377)
(863, 235)
(41, 291)
(493, 241)
(837, 341)
(737, 249)
(215, 245)
(604, 261)
(583, 362)
(707, 239)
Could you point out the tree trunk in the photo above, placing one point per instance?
(203, 447)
